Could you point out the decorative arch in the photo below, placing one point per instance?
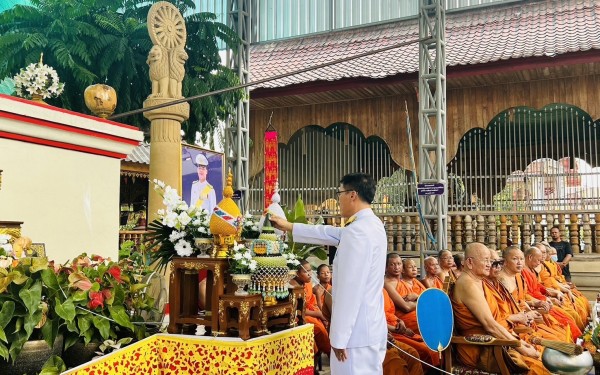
(315, 158)
(498, 163)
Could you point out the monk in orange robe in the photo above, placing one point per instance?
(324, 285)
(513, 279)
(393, 274)
(474, 309)
(411, 346)
(549, 273)
(313, 314)
(447, 266)
(512, 314)
(561, 297)
(409, 288)
(398, 330)
(533, 257)
(432, 272)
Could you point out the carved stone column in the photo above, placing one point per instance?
(587, 234)
(574, 233)
(166, 61)
(503, 232)
(492, 232)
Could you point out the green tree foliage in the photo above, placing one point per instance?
(106, 41)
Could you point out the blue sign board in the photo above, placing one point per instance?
(430, 189)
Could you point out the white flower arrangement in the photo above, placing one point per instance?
(291, 259)
(250, 229)
(40, 79)
(240, 260)
(177, 225)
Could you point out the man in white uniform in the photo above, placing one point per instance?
(358, 329)
(202, 193)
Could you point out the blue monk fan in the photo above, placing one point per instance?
(435, 319)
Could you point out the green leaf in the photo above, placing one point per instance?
(8, 308)
(72, 326)
(80, 295)
(87, 335)
(84, 322)
(65, 310)
(16, 345)
(38, 264)
(103, 326)
(3, 336)
(32, 297)
(50, 330)
(120, 316)
(31, 321)
(53, 366)
(3, 351)
(49, 278)
(137, 287)
(70, 339)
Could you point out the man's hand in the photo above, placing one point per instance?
(412, 297)
(528, 350)
(281, 223)
(340, 354)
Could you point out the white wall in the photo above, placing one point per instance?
(61, 176)
(68, 200)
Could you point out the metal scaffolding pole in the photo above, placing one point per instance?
(432, 121)
(237, 139)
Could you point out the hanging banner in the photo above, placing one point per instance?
(271, 164)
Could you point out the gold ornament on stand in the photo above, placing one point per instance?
(100, 99)
(226, 221)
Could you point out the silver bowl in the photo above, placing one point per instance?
(561, 363)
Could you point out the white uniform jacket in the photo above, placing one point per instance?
(357, 317)
(209, 199)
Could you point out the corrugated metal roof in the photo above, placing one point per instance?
(140, 154)
(535, 28)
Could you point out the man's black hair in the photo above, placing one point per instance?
(362, 184)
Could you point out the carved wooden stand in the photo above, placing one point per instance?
(181, 295)
(225, 311)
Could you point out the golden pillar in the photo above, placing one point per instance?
(166, 61)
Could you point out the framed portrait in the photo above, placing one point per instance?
(202, 176)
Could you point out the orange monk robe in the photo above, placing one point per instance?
(549, 277)
(438, 283)
(327, 290)
(542, 330)
(321, 335)
(396, 362)
(508, 306)
(416, 342)
(534, 289)
(473, 355)
(404, 289)
(520, 294)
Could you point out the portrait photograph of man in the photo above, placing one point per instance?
(202, 177)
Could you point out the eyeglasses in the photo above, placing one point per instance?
(202, 167)
(497, 263)
(339, 192)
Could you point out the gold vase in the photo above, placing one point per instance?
(38, 99)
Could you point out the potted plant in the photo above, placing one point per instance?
(241, 265)
(177, 226)
(104, 300)
(29, 323)
(302, 251)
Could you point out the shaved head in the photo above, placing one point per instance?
(391, 256)
(509, 250)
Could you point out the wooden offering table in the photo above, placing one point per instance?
(241, 312)
(183, 292)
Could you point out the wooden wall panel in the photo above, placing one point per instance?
(384, 116)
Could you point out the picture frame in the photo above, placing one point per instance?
(194, 190)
